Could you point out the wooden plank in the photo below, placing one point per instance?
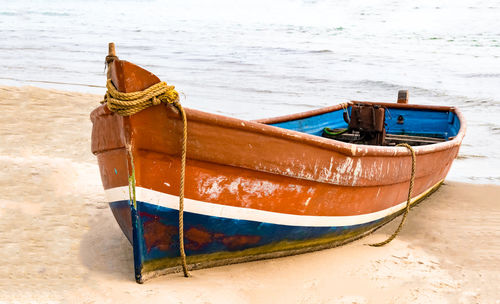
(403, 97)
(390, 139)
(413, 139)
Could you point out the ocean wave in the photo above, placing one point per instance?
(42, 13)
(481, 102)
(471, 156)
(257, 90)
(10, 14)
(320, 51)
(495, 130)
(56, 14)
(482, 75)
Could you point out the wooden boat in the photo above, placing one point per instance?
(260, 189)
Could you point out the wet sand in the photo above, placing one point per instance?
(59, 241)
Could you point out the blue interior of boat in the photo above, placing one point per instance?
(414, 122)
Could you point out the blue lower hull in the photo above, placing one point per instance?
(157, 236)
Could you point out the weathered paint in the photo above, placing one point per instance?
(213, 240)
(249, 214)
(255, 167)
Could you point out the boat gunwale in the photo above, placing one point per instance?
(260, 126)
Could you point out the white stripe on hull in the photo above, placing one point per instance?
(240, 213)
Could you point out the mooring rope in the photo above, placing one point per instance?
(181, 194)
(408, 202)
(127, 104)
(131, 179)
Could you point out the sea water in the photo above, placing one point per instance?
(255, 59)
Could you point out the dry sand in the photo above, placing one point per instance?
(59, 241)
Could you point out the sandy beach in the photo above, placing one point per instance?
(59, 241)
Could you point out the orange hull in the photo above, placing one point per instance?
(253, 171)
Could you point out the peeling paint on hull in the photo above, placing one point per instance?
(213, 241)
(258, 177)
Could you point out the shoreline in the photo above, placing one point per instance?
(60, 242)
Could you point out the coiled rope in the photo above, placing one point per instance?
(126, 104)
(408, 202)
